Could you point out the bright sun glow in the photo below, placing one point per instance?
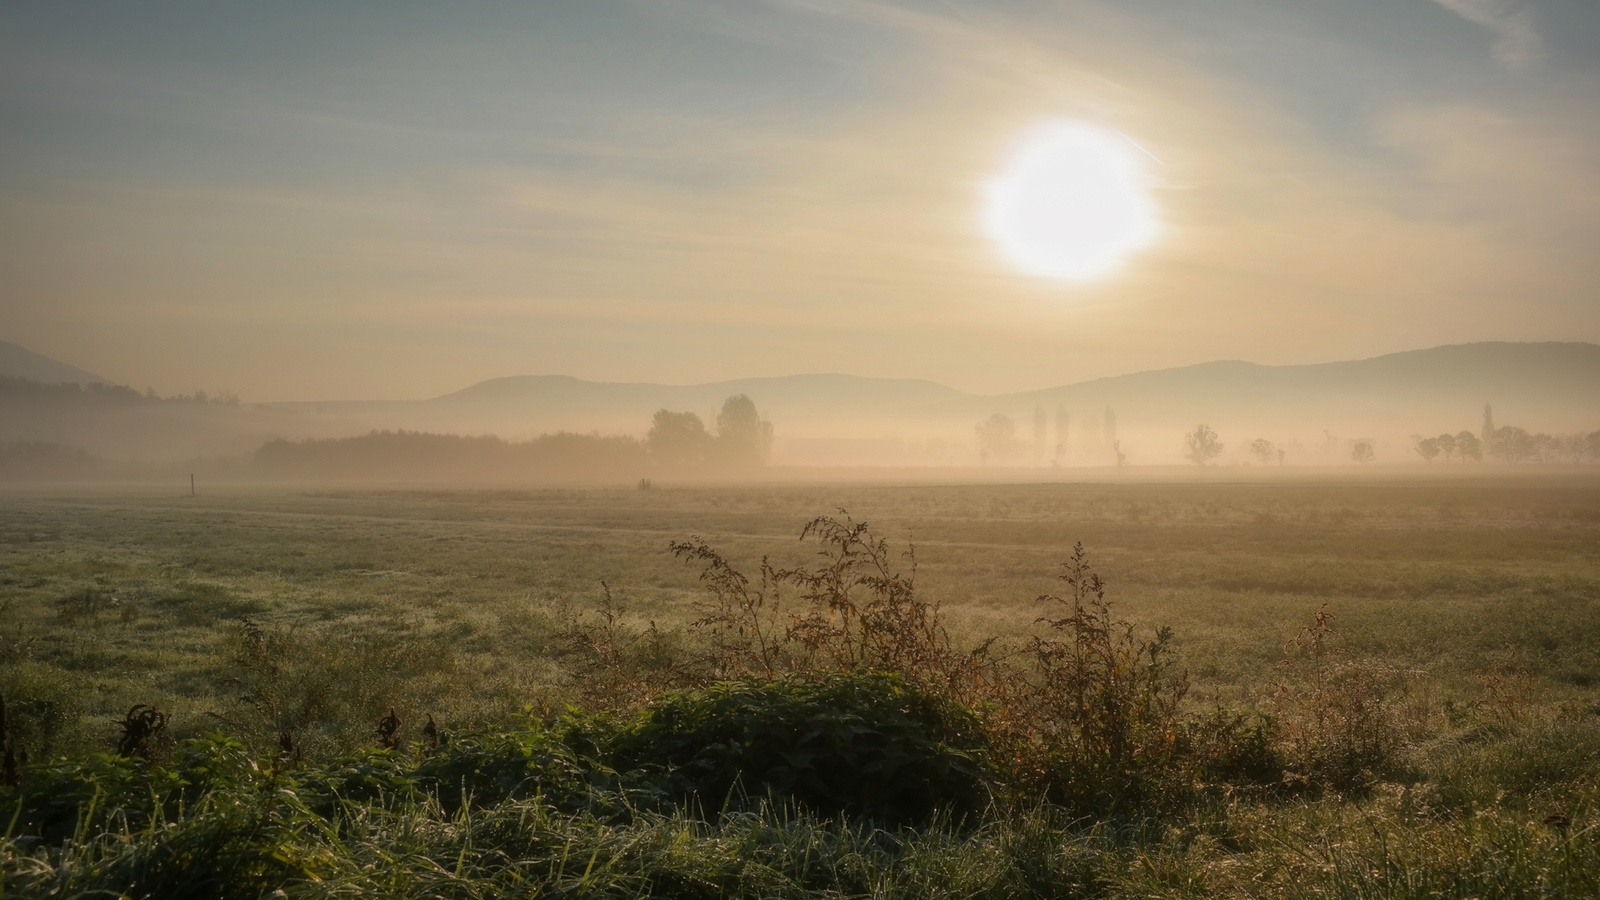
(1071, 203)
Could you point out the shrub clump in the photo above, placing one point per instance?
(1088, 716)
(1099, 715)
(871, 746)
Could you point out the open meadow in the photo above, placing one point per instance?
(293, 620)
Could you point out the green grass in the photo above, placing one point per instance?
(358, 827)
(1474, 604)
(1440, 577)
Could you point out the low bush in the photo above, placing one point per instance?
(868, 746)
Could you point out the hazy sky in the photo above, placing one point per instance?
(376, 200)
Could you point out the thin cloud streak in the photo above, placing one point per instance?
(1518, 44)
(628, 238)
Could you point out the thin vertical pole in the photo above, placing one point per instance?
(191, 484)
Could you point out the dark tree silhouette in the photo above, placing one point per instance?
(744, 439)
(1575, 447)
(677, 439)
(1546, 447)
(997, 438)
(1203, 445)
(1512, 444)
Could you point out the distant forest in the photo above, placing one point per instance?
(26, 390)
(677, 442)
(46, 461)
(421, 456)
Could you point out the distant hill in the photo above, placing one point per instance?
(789, 390)
(825, 402)
(1541, 386)
(1549, 385)
(1520, 373)
(20, 362)
(1314, 411)
(1560, 376)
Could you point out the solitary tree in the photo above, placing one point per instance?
(677, 439)
(1361, 451)
(1263, 450)
(744, 439)
(1203, 445)
(997, 438)
(1427, 448)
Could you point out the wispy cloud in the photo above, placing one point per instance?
(1517, 43)
(780, 187)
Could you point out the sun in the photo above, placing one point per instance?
(1071, 203)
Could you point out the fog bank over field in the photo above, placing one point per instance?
(1313, 413)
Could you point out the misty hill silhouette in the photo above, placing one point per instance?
(813, 399)
(20, 362)
(843, 418)
(1547, 385)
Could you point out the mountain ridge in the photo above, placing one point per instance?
(1542, 385)
(19, 362)
(1478, 349)
(834, 418)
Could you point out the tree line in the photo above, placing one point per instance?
(1508, 444)
(27, 390)
(999, 442)
(425, 456)
(1511, 444)
(677, 442)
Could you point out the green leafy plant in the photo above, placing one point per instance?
(862, 745)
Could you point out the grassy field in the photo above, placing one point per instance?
(242, 609)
